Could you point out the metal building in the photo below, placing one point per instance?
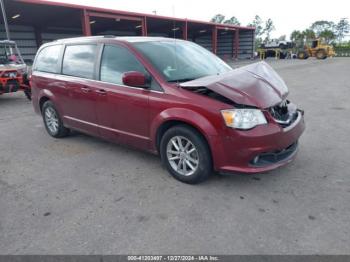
(34, 22)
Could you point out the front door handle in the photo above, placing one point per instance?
(101, 92)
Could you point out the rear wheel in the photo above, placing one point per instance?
(321, 54)
(185, 154)
(52, 121)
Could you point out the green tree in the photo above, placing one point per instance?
(259, 27)
(219, 18)
(327, 35)
(296, 35)
(269, 27)
(232, 21)
(322, 25)
(342, 28)
(309, 34)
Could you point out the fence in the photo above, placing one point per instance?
(342, 51)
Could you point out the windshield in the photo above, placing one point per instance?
(180, 61)
(9, 55)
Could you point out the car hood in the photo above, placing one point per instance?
(255, 85)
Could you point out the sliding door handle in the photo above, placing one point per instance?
(101, 92)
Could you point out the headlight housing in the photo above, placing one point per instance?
(243, 118)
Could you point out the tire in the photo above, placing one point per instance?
(52, 121)
(302, 55)
(28, 94)
(321, 54)
(195, 166)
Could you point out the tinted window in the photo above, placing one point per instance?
(117, 60)
(79, 61)
(47, 60)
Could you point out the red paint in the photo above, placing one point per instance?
(236, 43)
(85, 23)
(214, 39)
(133, 116)
(144, 26)
(254, 85)
(133, 78)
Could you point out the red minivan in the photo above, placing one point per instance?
(169, 97)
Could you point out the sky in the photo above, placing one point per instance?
(286, 15)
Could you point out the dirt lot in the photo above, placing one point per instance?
(82, 195)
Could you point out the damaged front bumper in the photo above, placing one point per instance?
(258, 150)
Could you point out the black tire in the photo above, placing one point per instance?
(321, 54)
(202, 152)
(61, 130)
(302, 55)
(28, 94)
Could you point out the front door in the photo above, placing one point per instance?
(122, 111)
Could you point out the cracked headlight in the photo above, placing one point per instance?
(246, 118)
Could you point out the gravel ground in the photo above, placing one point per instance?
(82, 195)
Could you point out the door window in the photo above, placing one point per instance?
(79, 60)
(117, 60)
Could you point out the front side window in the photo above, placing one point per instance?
(79, 60)
(116, 60)
(47, 60)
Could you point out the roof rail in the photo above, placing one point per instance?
(84, 37)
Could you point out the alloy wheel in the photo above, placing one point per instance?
(182, 155)
(51, 120)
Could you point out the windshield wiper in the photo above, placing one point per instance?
(181, 80)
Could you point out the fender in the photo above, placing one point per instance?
(47, 93)
(185, 115)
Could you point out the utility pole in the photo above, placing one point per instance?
(5, 19)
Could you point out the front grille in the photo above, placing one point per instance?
(274, 157)
(284, 113)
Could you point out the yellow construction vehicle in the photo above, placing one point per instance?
(316, 49)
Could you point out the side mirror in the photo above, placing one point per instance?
(135, 79)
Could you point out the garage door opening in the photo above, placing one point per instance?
(107, 24)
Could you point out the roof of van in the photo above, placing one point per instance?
(131, 39)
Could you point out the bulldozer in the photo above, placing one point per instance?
(316, 49)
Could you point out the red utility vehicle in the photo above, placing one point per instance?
(170, 97)
(13, 70)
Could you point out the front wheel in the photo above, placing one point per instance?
(321, 54)
(302, 55)
(52, 121)
(186, 154)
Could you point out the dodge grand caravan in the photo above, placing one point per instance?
(169, 97)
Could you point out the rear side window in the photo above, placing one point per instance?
(117, 60)
(47, 60)
(79, 61)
